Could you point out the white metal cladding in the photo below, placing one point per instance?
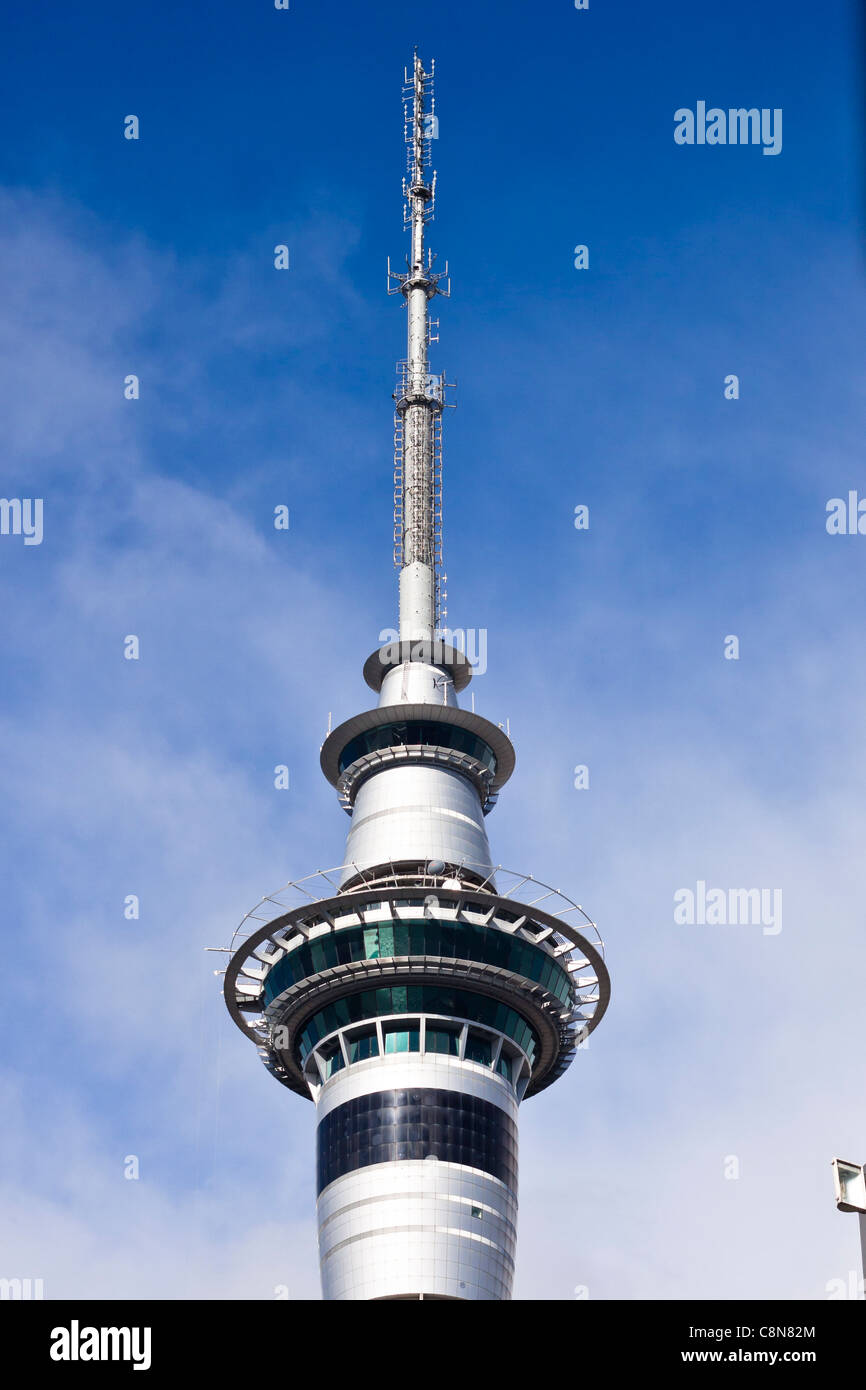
(417, 584)
(417, 1226)
(417, 683)
(436, 652)
(417, 813)
(402, 1229)
(360, 769)
(401, 1071)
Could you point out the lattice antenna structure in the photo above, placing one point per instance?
(420, 395)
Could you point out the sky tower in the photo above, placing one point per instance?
(418, 992)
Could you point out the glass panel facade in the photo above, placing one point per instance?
(400, 1037)
(424, 1123)
(452, 940)
(505, 1065)
(479, 1049)
(363, 1045)
(433, 999)
(442, 1039)
(434, 734)
(332, 1058)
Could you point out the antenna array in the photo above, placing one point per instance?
(420, 396)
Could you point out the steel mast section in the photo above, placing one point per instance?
(419, 396)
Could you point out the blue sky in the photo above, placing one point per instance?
(602, 387)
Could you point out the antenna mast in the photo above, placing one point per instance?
(419, 395)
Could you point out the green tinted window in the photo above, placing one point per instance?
(479, 1049)
(400, 1039)
(415, 999)
(445, 1040)
(432, 734)
(333, 1060)
(363, 1045)
(451, 940)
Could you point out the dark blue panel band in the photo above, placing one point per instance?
(419, 1123)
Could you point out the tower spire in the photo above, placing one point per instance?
(419, 395)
